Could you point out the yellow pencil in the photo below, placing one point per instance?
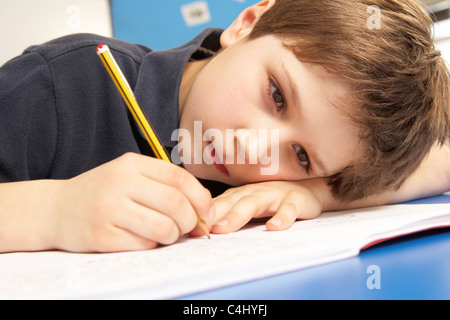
(127, 94)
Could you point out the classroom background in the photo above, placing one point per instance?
(157, 24)
(415, 268)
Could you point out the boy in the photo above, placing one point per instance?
(355, 111)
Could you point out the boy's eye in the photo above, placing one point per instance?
(302, 157)
(277, 96)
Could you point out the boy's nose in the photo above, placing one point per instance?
(254, 146)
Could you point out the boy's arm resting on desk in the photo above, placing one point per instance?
(131, 203)
(24, 215)
(288, 201)
(430, 179)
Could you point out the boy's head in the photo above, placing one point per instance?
(400, 82)
(383, 76)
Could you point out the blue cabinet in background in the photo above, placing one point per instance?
(170, 23)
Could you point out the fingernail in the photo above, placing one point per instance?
(221, 223)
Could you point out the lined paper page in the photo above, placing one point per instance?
(196, 264)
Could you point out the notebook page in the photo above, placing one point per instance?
(196, 264)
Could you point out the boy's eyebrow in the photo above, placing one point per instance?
(294, 93)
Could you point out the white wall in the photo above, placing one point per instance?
(442, 38)
(27, 22)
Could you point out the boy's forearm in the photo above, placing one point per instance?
(25, 215)
(430, 179)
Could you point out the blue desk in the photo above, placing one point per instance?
(411, 267)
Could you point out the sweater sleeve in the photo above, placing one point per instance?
(28, 122)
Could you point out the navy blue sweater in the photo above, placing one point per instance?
(61, 114)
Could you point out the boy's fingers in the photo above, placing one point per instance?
(168, 201)
(177, 177)
(294, 206)
(223, 205)
(286, 215)
(148, 224)
(248, 207)
(124, 240)
(224, 202)
(198, 232)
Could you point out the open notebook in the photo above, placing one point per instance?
(197, 264)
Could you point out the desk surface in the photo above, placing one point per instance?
(411, 267)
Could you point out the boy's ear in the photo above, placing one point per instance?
(244, 23)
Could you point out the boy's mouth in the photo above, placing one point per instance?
(217, 164)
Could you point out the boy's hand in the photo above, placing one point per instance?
(131, 203)
(286, 201)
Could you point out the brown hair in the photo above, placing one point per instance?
(400, 81)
